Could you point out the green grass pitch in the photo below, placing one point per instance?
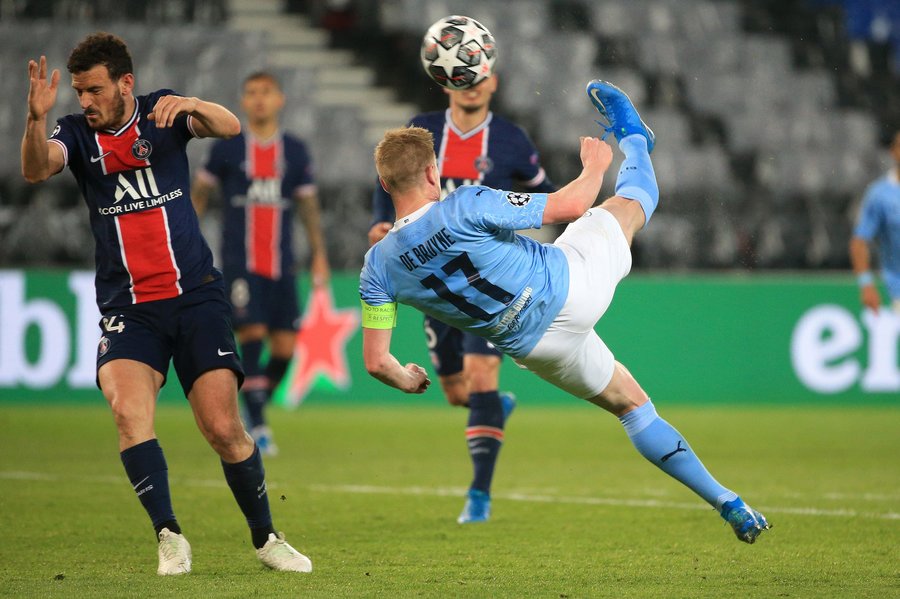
(371, 495)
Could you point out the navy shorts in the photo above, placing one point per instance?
(448, 345)
(258, 300)
(193, 330)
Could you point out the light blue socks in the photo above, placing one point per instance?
(664, 446)
(636, 180)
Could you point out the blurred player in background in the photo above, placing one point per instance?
(261, 174)
(879, 221)
(474, 147)
(536, 302)
(158, 293)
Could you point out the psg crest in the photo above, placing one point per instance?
(518, 199)
(484, 164)
(141, 149)
(103, 346)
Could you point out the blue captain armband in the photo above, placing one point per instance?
(379, 317)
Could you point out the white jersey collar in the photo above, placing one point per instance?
(481, 127)
(413, 217)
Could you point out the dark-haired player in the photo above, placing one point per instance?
(261, 173)
(474, 146)
(158, 293)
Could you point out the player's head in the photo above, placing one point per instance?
(403, 156)
(262, 98)
(103, 78)
(475, 98)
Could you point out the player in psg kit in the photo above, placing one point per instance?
(261, 173)
(159, 296)
(474, 146)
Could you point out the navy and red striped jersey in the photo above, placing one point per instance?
(498, 154)
(136, 184)
(259, 180)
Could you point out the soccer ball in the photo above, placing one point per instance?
(458, 52)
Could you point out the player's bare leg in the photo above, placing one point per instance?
(628, 213)
(130, 388)
(213, 398)
(455, 388)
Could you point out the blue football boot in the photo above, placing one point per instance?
(746, 522)
(477, 508)
(508, 399)
(622, 118)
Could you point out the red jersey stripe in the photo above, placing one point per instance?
(264, 240)
(264, 160)
(146, 246)
(263, 232)
(461, 153)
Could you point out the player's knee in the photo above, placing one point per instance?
(457, 398)
(228, 439)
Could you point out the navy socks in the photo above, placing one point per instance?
(148, 472)
(664, 446)
(247, 481)
(484, 436)
(255, 391)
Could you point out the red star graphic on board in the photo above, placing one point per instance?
(321, 345)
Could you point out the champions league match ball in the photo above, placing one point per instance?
(458, 52)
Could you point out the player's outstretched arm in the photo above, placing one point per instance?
(210, 119)
(382, 365)
(576, 198)
(40, 159)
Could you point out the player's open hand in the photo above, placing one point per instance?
(168, 108)
(595, 153)
(41, 92)
(420, 380)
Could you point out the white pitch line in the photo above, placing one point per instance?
(653, 503)
(457, 492)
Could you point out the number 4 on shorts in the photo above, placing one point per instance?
(111, 326)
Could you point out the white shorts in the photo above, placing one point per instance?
(570, 355)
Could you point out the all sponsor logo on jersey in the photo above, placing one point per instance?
(141, 149)
(143, 192)
(518, 199)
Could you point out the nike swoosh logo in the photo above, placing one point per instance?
(224, 353)
(100, 157)
(140, 483)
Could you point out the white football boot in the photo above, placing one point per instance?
(278, 555)
(174, 554)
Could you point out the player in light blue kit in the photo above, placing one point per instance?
(460, 261)
(879, 221)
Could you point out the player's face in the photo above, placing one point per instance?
(102, 100)
(475, 98)
(262, 100)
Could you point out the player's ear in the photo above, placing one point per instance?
(383, 185)
(126, 84)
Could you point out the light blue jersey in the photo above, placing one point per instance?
(461, 262)
(879, 220)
